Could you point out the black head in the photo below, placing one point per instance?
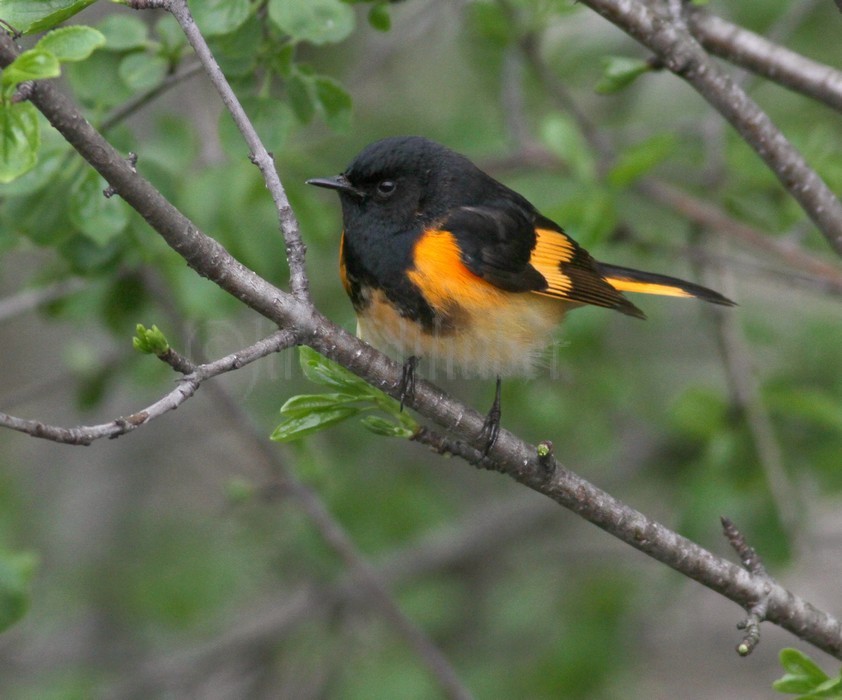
(396, 184)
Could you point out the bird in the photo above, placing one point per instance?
(445, 263)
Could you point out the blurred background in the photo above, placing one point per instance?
(193, 558)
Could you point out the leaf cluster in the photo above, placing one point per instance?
(308, 413)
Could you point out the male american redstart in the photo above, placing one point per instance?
(443, 262)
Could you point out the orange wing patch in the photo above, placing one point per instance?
(551, 249)
(443, 278)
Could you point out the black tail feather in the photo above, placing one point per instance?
(625, 279)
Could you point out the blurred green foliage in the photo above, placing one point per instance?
(644, 409)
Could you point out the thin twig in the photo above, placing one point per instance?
(187, 386)
(754, 565)
(746, 392)
(295, 248)
(597, 139)
(124, 111)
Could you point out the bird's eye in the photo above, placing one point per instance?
(386, 188)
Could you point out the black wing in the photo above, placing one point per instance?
(496, 243)
(521, 251)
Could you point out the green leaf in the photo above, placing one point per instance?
(142, 71)
(818, 406)
(238, 52)
(30, 17)
(150, 341)
(98, 217)
(794, 685)
(797, 663)
(96, 81)
(379, 17)
(124, 32)
(320, 370)
(618, 72)
(301, 98)
(561, 135)
(335, 102)
(305, 403)
(299, 426)
(308, 413)
(316, 21)
(170, 35)
(71, 43)
(20, 138)
(387, 428)
(283, 59)
(641, 158)
(87, 257)
(831, 688)
(30, 65)
(216, 17)
(16, 572)
(50, 162)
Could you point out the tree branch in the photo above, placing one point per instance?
(187, 386)
(765, 58)
(124, 111)
(295, 248)
(672, 43)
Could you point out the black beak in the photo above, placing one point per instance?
(337, 182)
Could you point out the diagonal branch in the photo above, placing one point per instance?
(295, 248)
(187, 387)
(673, 44)
(766, 58)
(124, 111)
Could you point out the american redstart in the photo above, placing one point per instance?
(443, 262)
